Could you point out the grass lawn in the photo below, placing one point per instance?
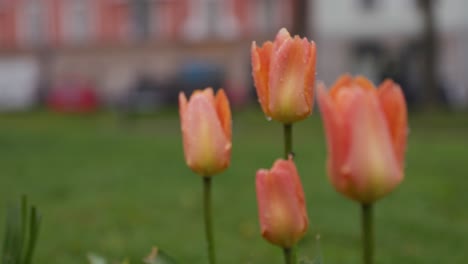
(117, 188)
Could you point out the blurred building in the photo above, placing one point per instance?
(58, 23)
(118, 43)
(113, 42)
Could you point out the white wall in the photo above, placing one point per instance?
(339, 23)
(18, 83)
(348, 17)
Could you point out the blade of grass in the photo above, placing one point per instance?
(34, 224)
(24, 228)
(16, 238)
(6, 256)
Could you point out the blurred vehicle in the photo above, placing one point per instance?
(145, 96)
(195, 75)
(73, 96)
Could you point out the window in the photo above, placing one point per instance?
(140, 18)
(32, 23)
(76, 21)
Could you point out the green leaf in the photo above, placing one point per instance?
(34, 224)
(158, 257)
(21, 233)
(24, 222)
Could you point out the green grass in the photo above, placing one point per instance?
(119, 187)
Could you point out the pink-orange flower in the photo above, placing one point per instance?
(206, 131)
(366, 129)
(281, 204)
(284, 75)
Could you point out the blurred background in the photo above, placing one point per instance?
(89, 127)
(137, 54)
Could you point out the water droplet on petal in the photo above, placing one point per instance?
(268, 118)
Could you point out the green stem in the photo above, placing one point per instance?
(367, 233)
(208, 219)
(287, 128)
(289, 255)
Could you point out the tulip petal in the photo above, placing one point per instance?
(224, 112)
(182, 105)
(287, 172)
(364, 83)
(209, 94)
(335, 131)
(343, 82)
(286, 94)
(263, 200)
(309, 79)
(282, 36)
(371, 160)
(393, 104)
(260, 69)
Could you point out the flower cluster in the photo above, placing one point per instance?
(365, 128)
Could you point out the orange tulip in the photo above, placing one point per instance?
(206, 131)
(366, 130)
(281, 204)
(284, 75)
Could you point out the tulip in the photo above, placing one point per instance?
(366, 129)
(206, 131)
(284, 75)
(281, 204)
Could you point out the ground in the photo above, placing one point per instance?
(118, 186)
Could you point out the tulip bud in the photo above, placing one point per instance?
(366, 130)
(281, 204)
(206, 131)
(284, 75)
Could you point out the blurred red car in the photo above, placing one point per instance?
(73, 96)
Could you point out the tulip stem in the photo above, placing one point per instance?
(208, 219)
(289, 255)
(367, 233)
(287, 128)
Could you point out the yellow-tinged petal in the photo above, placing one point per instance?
(287, 97)
(364, 83)
(371, 160)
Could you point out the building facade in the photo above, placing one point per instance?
(113, 42)
(56, 23)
